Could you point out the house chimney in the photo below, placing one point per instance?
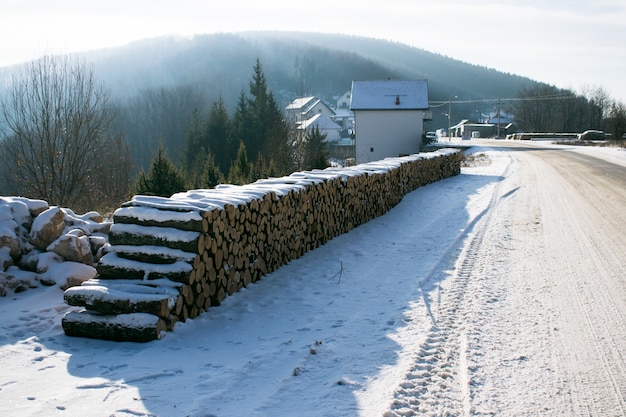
(397, 100)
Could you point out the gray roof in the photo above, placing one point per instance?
(389, 95)
(300, 103)
(321, 121)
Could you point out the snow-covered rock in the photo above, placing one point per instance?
(5, 258)
(9, 228)
(9, 239)
(47, 227)
(11, 283)
(73, 246)
(47, 245)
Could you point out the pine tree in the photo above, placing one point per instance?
(241, 170)
(259, 168)
(211, 173)
(163, 179)
(194, 172)
(243, 123)
(218, 131)
(278, 146)
(196, 138)
(257, 111)
(263, 169)
(271, 131)
(316, 154)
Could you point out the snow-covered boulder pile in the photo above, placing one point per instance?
(49, 245)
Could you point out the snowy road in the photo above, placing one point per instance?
(534, 321)
(498, 292)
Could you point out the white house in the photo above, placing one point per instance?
(343, 102)
(343, 115)
(388, 117)
(325, 125)
(304, 108)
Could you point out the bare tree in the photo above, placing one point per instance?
(159, 114)
(598, 107)
(536, 111)
(616, 122)
(56, 122)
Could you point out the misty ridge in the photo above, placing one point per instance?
(295, 64)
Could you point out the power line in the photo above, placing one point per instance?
(435, 104)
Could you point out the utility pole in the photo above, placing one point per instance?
(498, 135)
(450, 116)
(449, 110)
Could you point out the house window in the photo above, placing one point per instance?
(371, 149)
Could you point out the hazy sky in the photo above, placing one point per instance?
(568, 43)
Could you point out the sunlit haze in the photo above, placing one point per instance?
(571, 44)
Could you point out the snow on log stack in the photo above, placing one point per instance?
(170, 259)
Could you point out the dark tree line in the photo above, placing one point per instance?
(544, 108)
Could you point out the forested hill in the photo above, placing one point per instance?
(294, 64)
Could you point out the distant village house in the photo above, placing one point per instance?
(497, 124)
(389, 117)
(309, 113)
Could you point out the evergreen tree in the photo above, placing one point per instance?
(257, 111)
(258, 84)
(242, 124)
(278, 145)
(211, 173)
(263, 169)
(241, 170)
(259, 168)
(218, 132)
(194, 172)
(163, 179)
(316, 154)
(196, 138)
(270, 129)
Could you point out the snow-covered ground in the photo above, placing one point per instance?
(452, 303)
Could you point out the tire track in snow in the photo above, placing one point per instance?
(438, 384)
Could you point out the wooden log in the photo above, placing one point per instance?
(111, 266)
(187, 293)
(170, 322)
(190, 220)
(178, 307)
(218, 297)
(184, 314)
(113, 301)
(151, 254)
(127, 234)
(133, 327)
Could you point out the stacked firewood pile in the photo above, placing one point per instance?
(208, 244)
